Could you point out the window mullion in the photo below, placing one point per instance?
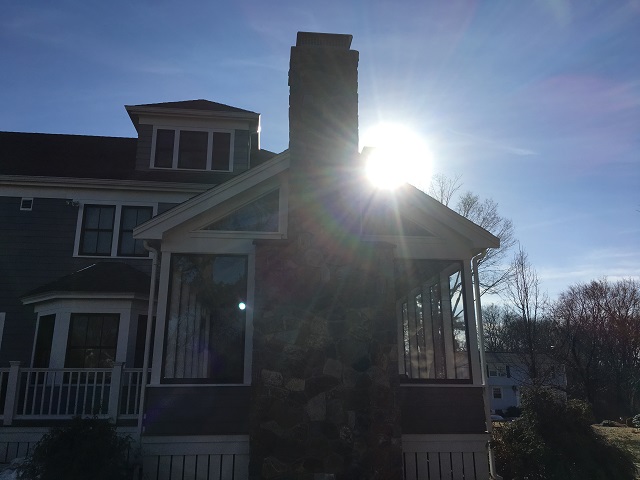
(427, 319)
(176, 148)
(115, 240)
(447, 327)
(209, 151)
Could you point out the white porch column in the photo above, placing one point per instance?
(12, 392)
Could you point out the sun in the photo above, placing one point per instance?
(399, 156)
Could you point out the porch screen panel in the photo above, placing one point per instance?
(206, 319)
(459, 327)
(434, 326)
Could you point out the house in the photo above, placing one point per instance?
(290, 320)
(508, 374)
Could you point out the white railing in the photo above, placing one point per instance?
(46, 393)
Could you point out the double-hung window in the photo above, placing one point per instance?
(192, 149)
(107, 230)
(93, 339)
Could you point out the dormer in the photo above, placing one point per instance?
(193, 136)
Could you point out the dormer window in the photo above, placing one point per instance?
(191, 149)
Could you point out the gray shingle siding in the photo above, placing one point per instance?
(143, 153)
(241, 151)
(36, 247)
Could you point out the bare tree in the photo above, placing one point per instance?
(443, 188)
(493, 267)
(598, 326)
(528, 303)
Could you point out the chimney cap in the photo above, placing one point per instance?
(334, 40)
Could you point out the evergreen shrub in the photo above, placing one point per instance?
(86, 448)
(553, 440)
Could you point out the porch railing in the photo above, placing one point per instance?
(50, 393)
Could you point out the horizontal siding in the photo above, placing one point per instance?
(241, 151)
(36, 247)
(163, 207)
(206, 410)
(143, 153)
(442, 410)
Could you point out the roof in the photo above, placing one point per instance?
(56, 155)
(91, 157)
(199, 104)
(103, 277)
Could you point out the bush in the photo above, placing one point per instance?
(553, 440)
(84, 449)
(513, 411)
(636, 421)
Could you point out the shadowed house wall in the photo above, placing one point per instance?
(325, 352)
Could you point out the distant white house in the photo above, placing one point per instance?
(508, 374)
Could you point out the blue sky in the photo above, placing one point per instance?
(535, 103)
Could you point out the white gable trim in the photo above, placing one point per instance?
(157, 226)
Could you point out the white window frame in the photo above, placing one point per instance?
(159, 348)
(495, 390)
(497, 370)
(116, 226)
(26, 204)
(126, 307)
(176, 147)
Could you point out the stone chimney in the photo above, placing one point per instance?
(325, 373)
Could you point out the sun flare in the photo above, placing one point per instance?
(399, 156)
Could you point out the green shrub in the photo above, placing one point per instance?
(84, 449)
(553, 440)
(636, 421)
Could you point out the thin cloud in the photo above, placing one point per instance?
(494, 144)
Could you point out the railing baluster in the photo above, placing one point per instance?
(52, 388)
(102, 391)
(59, 379)
(26, 375)
(41, 392)
(75, 407)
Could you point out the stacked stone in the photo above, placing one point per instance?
(326, 363)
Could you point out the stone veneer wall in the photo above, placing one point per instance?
(325, 362)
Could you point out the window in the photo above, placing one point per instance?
(107, 230)
(496, 370)
(258, 216)
(496, 393)
(132, 217)
(92, 342)
(44, 341)
(191, 149)
(206, 319)
(26, 204)
(97, 230)
(433, 322)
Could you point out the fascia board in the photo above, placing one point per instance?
(154, 228)
(476, 235)
(181, 112)
(100, 184)
(57, 295)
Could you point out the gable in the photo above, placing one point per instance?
(229, 205)
(260, 215)
(384, 220)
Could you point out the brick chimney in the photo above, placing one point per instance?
(323, 128)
